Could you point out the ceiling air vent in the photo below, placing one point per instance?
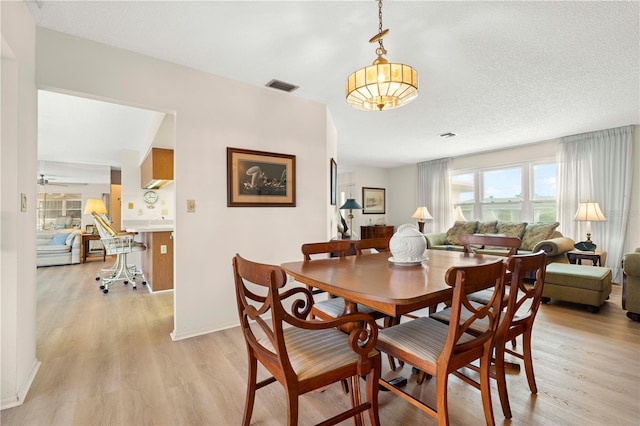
(281, 85)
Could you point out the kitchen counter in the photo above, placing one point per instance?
(148, 226)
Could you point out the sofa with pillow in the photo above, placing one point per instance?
(58, 247)
(535, 236)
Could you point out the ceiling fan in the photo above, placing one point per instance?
(42, 181)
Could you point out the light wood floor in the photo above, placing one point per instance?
(108, 359)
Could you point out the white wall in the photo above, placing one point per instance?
(17, 231)
(211, 113)
(402, 195)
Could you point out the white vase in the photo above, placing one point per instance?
(407, 244)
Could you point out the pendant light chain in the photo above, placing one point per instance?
(381, 50)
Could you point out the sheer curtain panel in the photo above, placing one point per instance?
(433, 193)
(597, 167)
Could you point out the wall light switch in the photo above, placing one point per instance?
(163, 249)
(164, 212)
(191, 206)
(140, 212)
(130, 206)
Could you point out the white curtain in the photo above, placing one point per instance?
(597, 167)
(433, 193)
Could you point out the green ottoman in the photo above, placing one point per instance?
(588, 285)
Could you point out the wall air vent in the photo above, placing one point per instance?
(447, 135)
(281, 85)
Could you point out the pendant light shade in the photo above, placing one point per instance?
(381, 85)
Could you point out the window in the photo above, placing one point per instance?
(502, 194)
(463, 194)
(525, 192)
(544, 193)
(52, 206)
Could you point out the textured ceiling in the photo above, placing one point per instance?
(497, 74)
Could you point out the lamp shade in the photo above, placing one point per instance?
(422, 213)
(94, 205)
(351, 204)
(589, 211)
(458, 216)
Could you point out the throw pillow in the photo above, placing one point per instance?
(459, 228)
(511, 229)
(59, 239)
(537, 232)
(487, 227)
(69, 240)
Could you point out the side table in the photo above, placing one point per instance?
(596, 257)
(84, 249)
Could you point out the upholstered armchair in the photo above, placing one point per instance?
(631, 285)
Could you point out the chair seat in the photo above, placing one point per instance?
(484, 296)
(478, 326)
(421, 338)
(334, 307)
(315, 352)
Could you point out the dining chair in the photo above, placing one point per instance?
(471, 242)
(333, 306)
(438, 349)
(303, 355)
(120, 244)
(380, 244)
(335, 248)
(518, 318)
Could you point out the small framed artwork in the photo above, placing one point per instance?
(260, 179)
(373, 201)
(334, 181)
(89, 229)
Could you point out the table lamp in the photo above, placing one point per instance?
(95, 205)
(588, 211)
(458, 216)
(421, 214)
(352, 205)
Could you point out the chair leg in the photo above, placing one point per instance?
(356, 399)
(442, 385)
(485, 386)
(373, 379)
(390, 322)
(251, 390)
(501, 379)
(292, 408)
(345, 385)
(528, 361)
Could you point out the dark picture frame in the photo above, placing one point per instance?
(333, 167)
(260, 179)
(373, 200)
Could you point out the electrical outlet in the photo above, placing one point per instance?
(163, 249)
(191, 206)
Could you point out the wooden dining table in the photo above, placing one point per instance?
(374, 281)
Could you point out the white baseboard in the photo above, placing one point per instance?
(194, 333)
(20, 396)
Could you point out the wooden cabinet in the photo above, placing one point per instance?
(375, 232)
(157, 259)
(157, 169)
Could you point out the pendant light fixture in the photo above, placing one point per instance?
(381, 85)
